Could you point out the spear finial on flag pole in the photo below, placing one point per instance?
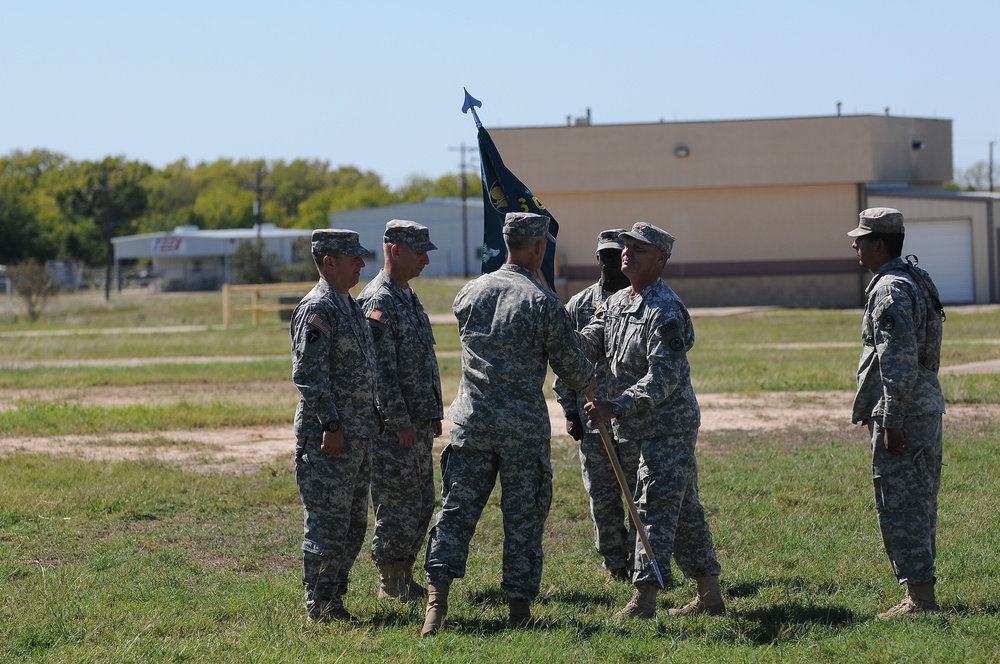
(471, 104)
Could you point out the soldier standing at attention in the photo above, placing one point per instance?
(334, 369)
(409, 388)
(645, 332)
(899, 398)
(511, 327)
(614, 538)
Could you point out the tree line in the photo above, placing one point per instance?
(52, 207)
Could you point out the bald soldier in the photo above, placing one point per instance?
(410, 396)
(646, 332)
(334, 369)
(511, 328)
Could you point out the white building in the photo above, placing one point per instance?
(187, 258)
(456, 229)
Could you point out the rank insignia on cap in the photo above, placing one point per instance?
(317, 321)
(378, 316)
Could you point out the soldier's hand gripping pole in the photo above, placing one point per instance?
(633, 512)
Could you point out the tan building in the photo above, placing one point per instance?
(760, 208)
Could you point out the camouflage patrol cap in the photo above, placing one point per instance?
(413, 235)
(650, 234)
(879, 220)
(527, 224)
(325, 240)
(609, 239)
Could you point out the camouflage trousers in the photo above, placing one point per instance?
(906, 494)
(402, 494)
(614, 534)
(470, 465)
(334, 492)
(667, 501)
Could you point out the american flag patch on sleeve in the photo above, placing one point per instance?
(317, 321)
(378, 316)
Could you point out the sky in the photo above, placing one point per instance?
(379, 85)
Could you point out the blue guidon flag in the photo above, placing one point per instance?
(503, 193)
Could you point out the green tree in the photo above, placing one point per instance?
(23, 198)
(251, 264)
(110, 195)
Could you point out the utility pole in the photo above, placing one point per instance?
(258, 205)
(104, 189)
(465, 209)
(992, 143)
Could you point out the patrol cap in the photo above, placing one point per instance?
(879, 220)
(413, 235)
(325, 240)
(609, 239)
(527, 224)
(650, 234)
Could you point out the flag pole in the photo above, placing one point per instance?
(632, 510)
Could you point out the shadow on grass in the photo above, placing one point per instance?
(775, 623)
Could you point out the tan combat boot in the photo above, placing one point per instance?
(919, 599)
(708, 600)
(415, 589)
(389, 582)
(643, 603)
(437, 609)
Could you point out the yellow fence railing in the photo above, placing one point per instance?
(262, 299)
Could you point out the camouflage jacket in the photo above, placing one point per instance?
(901, 331)
(646, 339)
(333, 365)
(512, 327)
(581, 308)
(409, 385)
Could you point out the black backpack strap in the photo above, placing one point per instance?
(926, 285)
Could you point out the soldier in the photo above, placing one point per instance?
(614, 538)
(410, 397)
(646, 333)
(900, 400)
(510, 328)
(334, 369)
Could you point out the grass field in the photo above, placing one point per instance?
(145, 561)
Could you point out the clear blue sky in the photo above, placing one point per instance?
(378, 84)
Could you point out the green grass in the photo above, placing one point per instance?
(143, 561)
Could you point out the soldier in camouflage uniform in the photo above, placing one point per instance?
(900, 400)
(410, 397)
(614, 536)
(645, 332)
(511, 327)
(334, 369)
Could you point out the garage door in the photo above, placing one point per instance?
(945, 250)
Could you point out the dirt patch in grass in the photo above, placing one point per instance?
(244, 450)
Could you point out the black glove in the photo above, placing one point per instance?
(574, 427)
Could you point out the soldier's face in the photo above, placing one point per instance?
(343, 271)
(610, 261)
(411, 261)
(868, 251)
(641, 261)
